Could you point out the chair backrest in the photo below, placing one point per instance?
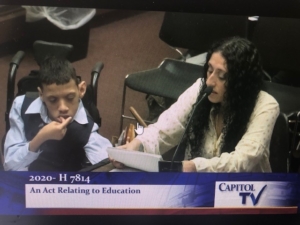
(169, 80)
(196, 31)
(279, 145)
(43, 49)
(30, 83)
(288, 100)
(286, 96)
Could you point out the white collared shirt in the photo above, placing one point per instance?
(16, 147)
(251, 154)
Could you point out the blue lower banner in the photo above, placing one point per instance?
(48, 193)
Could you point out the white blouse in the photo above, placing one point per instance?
(251, 153)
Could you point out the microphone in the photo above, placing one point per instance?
(163, 165)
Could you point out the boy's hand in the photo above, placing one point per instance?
(56, 130)
(52, 131)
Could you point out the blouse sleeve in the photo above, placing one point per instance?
(167, 131)
(253, 149)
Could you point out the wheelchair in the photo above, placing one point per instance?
(30, 83)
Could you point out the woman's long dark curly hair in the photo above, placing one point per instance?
(244, 80)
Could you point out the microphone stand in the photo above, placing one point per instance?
(164, 165)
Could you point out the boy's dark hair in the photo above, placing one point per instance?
(55, 70)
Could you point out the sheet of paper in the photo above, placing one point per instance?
(126, 169)
(134, 159)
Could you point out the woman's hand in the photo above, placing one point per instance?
(188, 166)
(134, 145)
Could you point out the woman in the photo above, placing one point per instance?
(232, 128)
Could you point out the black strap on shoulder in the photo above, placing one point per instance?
(31, 128)
(29, 98)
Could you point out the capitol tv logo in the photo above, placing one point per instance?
(254, 199)
(240, 194)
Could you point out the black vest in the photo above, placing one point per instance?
(57, 155)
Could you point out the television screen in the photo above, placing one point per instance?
(150, 41)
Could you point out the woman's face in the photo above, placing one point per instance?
(216, 77)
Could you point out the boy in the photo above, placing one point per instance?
(53, 132)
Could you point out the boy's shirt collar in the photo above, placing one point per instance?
(37, 107)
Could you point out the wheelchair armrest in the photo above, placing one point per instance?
(17, 58)
(94, 79)
(14, 64)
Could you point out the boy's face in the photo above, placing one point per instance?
(62, 100)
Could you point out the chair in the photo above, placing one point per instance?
(286, 96)
(78, 38)
(169, 80)
(275, 39)
(281, 143)
(30, 83)
(294, 121)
